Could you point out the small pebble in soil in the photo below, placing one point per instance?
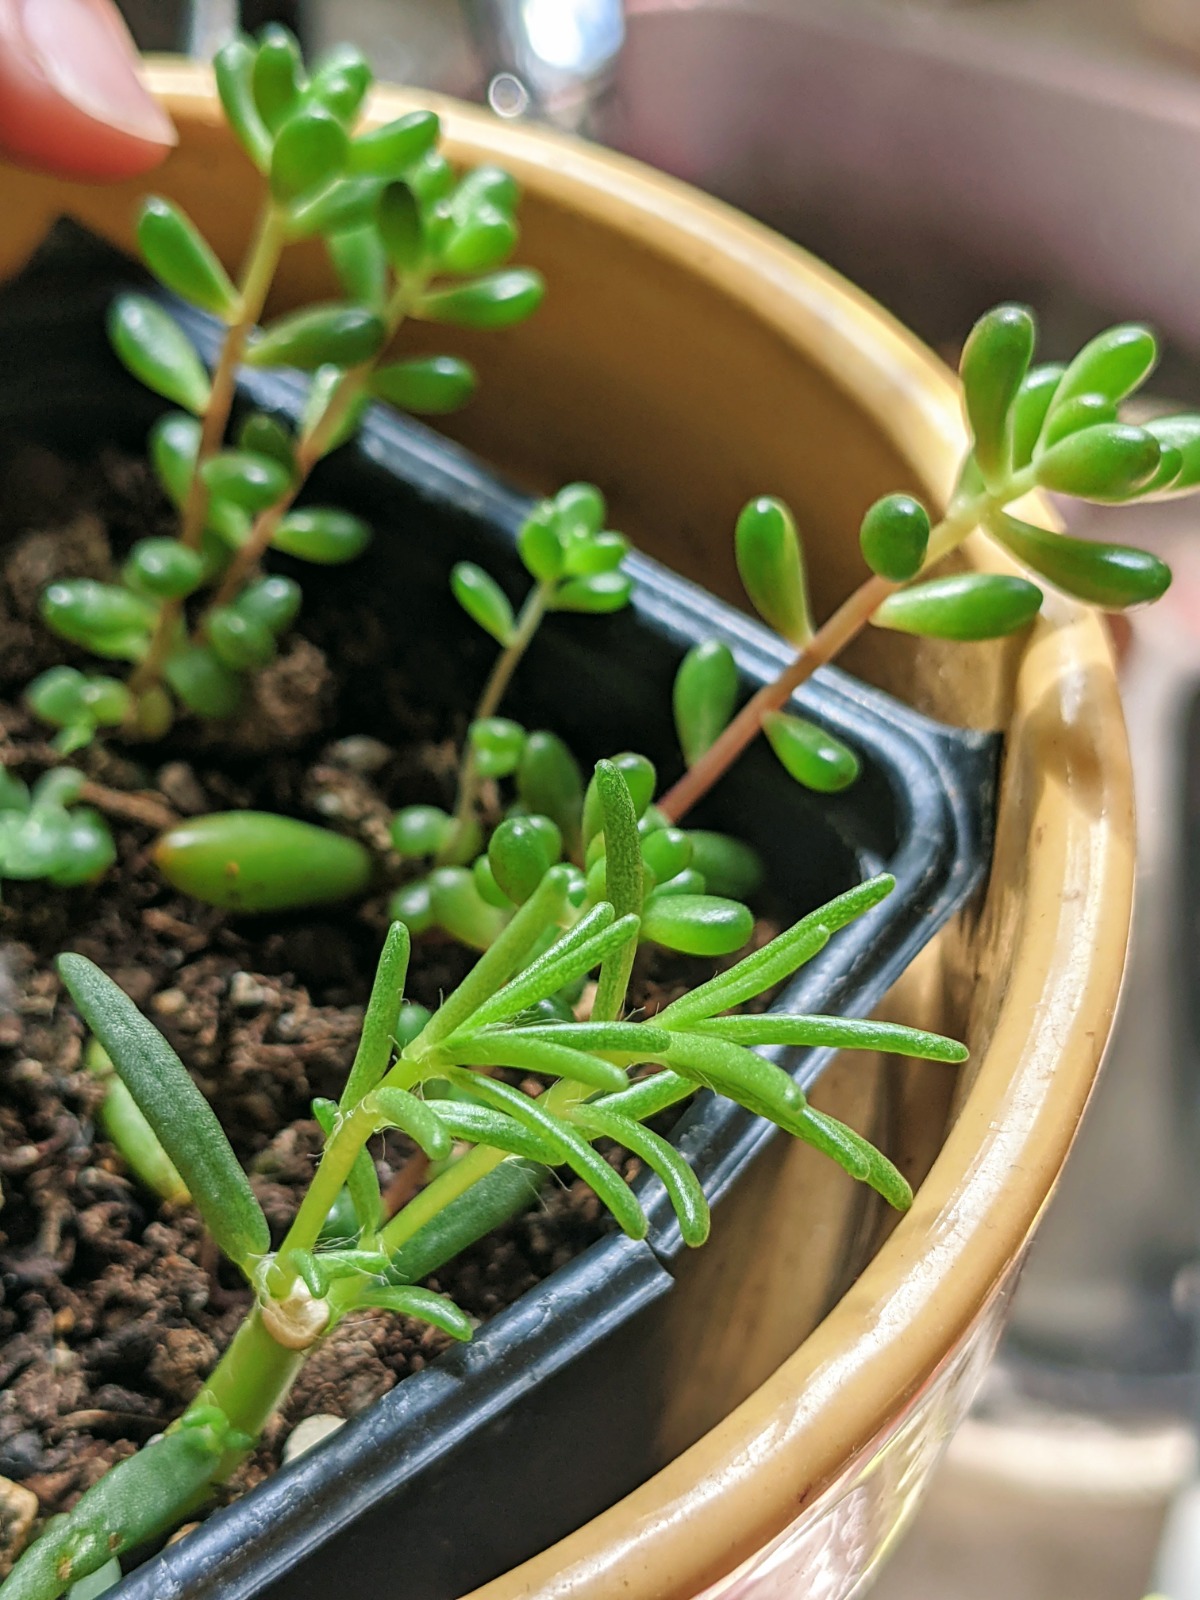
(309, 1433)
(18, 1512)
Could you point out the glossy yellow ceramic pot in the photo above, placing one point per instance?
(684, 360)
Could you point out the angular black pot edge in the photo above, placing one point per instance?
(503, 1446)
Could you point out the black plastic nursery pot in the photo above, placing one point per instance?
(552, 1413)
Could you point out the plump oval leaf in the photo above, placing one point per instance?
(163, 568)
(704, 696)
(413, 906)
(497, 743)
(994, 362)
(253, 861)
(174, 444)
(489, 183)
(152, 345)
(666, 852)
(728, 866)
(360, 262)
(697, 924)
(341, 81)
(334, 335)
(458, 907)
(966, 605)
(179, 257)
(179, 1114)
(519, 858)
(278, 75)
(482, 598)
(1083, 411)
(348, 203)
(496, 300)
(1178, 434)
(770, 562)
(483, 239)
(387, 151)
(106, 618)
(250, 481)
(1109, 575)
(809, 754)
(428, 385)
(322, 534)
(420, 831)
(894, 537)
(550, 783)
(1029, 409)
(239, 641)
(272, 601)
(597, 595)
(402, 227)
(264, 435)
(1108, 462)
(1113, 364)
(233, 65)
(203, 683)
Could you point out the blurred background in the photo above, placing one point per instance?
(945, 154)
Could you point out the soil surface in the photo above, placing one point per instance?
(112, 1308)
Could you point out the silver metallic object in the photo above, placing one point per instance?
(547, 58)
(211, 24)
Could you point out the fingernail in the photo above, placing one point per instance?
(86, 54)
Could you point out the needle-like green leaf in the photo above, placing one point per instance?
(576, 1152)
(179, 1114)
(577, 952)
(512, 1047)
(387, 991)
(840, 1033)
(678, 1179)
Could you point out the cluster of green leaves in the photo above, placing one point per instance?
(408, 237)
(473, 893)
(684, 878)
(433, 1076)
(1053, 427)
(770, 562)
(574, 560)
(45, 834)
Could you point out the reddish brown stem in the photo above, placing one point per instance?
(829, 640)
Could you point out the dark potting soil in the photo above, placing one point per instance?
(113, 1308)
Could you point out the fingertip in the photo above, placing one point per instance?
(71, 100)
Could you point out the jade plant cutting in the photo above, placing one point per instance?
(551, 879)
(409, 239)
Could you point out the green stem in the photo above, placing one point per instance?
(350, 1135)
(530, 619)
(257, 277)
(462, 1175)
(829, 640)
(312, 445)
(251, 1380)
